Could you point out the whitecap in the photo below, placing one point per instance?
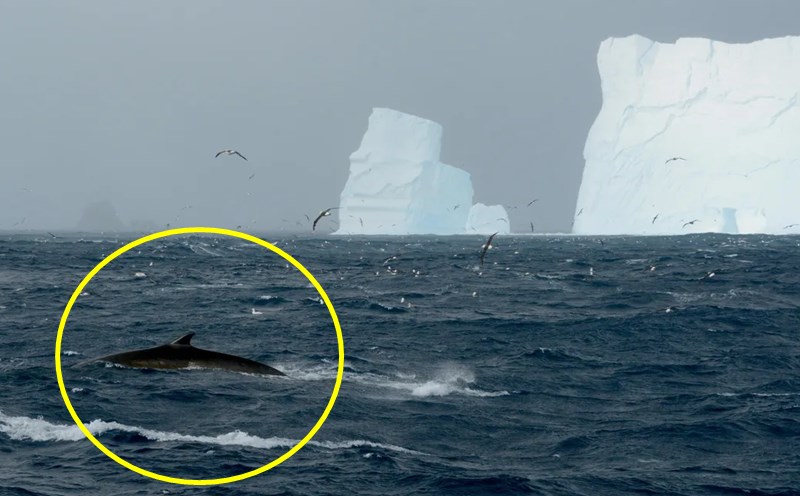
(38, 429)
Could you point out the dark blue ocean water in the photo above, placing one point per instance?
(554, 369)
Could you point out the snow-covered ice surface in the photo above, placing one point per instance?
(398, 185)
(728, 113)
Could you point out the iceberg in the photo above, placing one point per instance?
(698, 130)
(398, 185)
(487, 219)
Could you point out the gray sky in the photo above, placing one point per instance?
(128, 102)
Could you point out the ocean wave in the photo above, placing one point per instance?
(269, 299)
(203, 249)
(40, 430)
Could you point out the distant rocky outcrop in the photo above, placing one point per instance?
(100, 216)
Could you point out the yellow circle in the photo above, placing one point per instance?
(195, 230)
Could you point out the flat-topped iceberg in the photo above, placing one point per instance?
(398, 185)
(698, 130)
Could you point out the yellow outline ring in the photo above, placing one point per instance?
(200, 482)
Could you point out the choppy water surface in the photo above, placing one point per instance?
(566, 365)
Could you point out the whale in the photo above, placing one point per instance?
(180, 354)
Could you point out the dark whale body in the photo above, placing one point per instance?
(180, 354)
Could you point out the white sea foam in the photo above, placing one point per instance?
(37, 429)
(449, 379)
(202, 249)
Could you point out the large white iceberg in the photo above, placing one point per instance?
(726, 114)
(487, 219)
(397, 185)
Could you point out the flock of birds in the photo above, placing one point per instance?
(323, 213)
(327, 212)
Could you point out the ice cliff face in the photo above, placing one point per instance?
(728, 116)
(397, 185)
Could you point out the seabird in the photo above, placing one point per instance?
(503, 219)
(322, 214)
(361, 221)
(673, 158)
(690, 223)
(51, 234)
(531, 226)
(253, 311)
(532, 201)
(251, 175)
(708, 276)
(654, 218)
(487, 246)
(579, 213)
(229, 152)
(790, 225)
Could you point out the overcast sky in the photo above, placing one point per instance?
(127, 102)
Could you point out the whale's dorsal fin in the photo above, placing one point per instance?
(185, 339)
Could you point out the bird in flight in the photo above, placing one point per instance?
(531, 226)
(690, 223)
(654, 219)
(486, 247)
(532, 201)
(322, 214)
(229, 152)
(790, 225)
(674, 158)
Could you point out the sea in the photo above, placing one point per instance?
(563, 365)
